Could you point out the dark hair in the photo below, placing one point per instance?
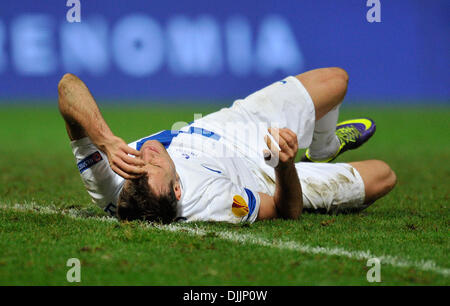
(138, 202)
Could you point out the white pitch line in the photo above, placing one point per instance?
(424, 265)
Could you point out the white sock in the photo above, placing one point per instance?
(325, 143)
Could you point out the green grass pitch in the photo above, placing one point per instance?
(409, 228)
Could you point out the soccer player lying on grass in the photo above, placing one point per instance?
(234, 165)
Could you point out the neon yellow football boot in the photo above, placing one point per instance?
(352, 134)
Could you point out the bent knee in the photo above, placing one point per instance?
(384, 180)
(65, 81)
(390, 182)
(378, 177)
(387, 177)
(338, 74)
(337, 81)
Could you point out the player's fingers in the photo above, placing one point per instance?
(132, 160)
(131, 151)
(136, 161)
(290, 132)
(123, 174)
(280, 136)
(285, 148)
(132, 170)
(287, 151)
(271, 145)
(290, 139)
(275, 132)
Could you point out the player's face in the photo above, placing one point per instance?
(160, 167)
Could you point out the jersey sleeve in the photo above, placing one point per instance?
(226, 201)
(101, 182)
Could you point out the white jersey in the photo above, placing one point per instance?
(217, 184)
(213, 188)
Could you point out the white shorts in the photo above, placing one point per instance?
(283, 104)
(331, 188)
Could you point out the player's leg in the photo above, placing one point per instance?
(379, 179)
(327, 88)
(305, 104)
(344, 187)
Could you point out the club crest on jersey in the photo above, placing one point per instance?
(239, 207)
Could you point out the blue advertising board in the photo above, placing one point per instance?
(208, 50)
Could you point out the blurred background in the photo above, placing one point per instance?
(214, 51)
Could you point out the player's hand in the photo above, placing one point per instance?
(288, 143)
(121, 163)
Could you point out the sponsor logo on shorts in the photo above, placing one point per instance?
(89, 161)
(239, 207)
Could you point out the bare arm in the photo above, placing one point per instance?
(287, 202)
(77, 106)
